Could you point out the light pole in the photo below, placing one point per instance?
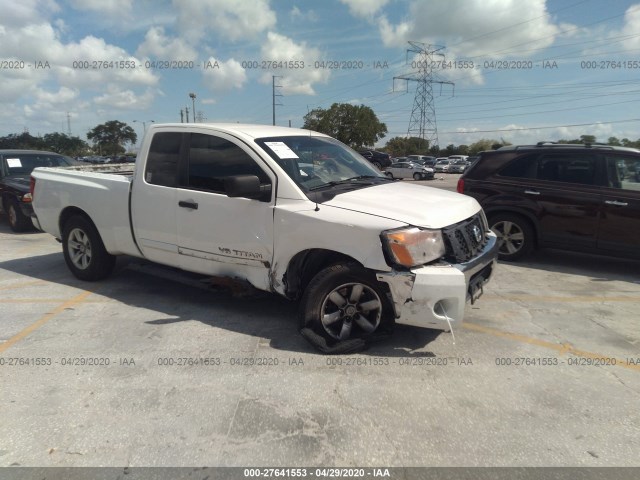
(144, 125)
(193, 100)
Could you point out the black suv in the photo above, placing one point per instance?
(379, 159)
(571, 197)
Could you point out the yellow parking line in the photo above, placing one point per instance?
(562, 349)
(42, 300)
(34, 326)
(577, 299)
(23, 284)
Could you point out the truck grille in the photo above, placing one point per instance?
(465, 239)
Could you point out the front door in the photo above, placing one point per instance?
(219, 235)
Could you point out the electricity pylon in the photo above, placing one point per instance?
(424, 58)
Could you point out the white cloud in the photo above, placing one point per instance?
(120, 99)
(157, 45)
(294, 80)
(229, 19)
(63, 95)
(632, 28)
(298, 15)
(364, 8)
(24, 12)
(104, 7)
(226, 76)
(469, 28)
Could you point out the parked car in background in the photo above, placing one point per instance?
(379, 159)
(398, 159)
(15, 168)
(571, 197)
(458, 166)
(442, 165)
(423, 160)
(458, 157)
(409, 170)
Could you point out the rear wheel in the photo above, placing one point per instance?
(514, 234)
(18, 221)
(84, 251)
(389, 174)
(344, 302)
(378, 165)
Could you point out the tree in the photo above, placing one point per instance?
(614, 141)
(401, 146)
(485, 144)
(357, 126)
(22, 141)
(110, 137)
(64, 144)
(587, 139)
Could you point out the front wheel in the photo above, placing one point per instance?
(84, 251)
(515, 236)
(417, 176)
(344, 303)
(389, 174)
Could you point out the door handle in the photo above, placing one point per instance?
(531, 192)
(616, 203)
(192, 205)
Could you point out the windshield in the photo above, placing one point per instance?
(443, 162)
(314, 163)
(24, 163)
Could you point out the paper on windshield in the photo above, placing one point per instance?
(14, 162)
(281, 150)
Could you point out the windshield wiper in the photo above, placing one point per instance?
(351, 180)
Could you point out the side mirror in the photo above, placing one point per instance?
(246, 186)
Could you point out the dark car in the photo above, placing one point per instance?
(569, 197)
(379, 159)
(15, 171)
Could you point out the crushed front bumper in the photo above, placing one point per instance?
(434, 296)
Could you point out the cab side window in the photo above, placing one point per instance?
(162, 161)
(212, 159)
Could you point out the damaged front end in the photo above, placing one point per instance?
(434, 296)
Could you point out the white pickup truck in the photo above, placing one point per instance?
(290, 211)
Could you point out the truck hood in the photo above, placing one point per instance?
(417, 205)
(19, 182)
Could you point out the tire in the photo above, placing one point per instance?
(18, 221)
(514, 234)
(342, 303)
(389, 174)
(84, 251)
(417, 176)
(378, 165)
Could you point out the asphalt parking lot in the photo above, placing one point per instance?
(154, 367)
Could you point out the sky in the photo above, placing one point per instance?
(518, 70)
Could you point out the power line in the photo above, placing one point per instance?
(545, 128)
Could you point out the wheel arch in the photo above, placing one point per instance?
(305, 264)
(69, 212)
